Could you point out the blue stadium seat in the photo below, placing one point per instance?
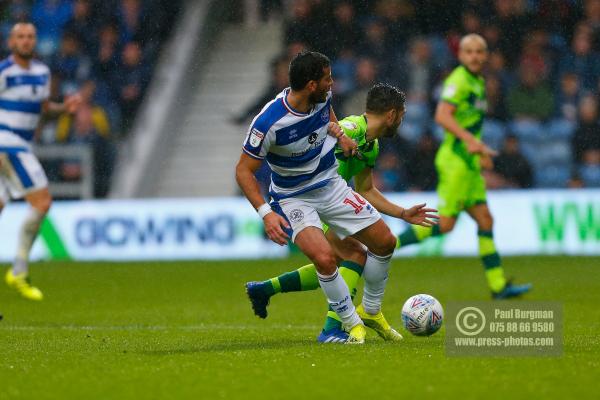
(493, 133)
(560, 128)
(552, 176)
(590, 174)
(528, 131)
(411, 130)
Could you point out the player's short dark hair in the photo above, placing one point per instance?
(383, 97)
(307, 66)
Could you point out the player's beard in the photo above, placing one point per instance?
(317, 97)
(27, 55)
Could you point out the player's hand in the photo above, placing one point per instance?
(348, 146)
(335, 130)
(273, 226)
(486, 162)
(478, 147)
(419, 215)
(72, 103)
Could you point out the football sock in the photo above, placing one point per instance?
(491, 261)
(415, 234)
(351, 273)
(301, 279)
(375, 275)
(27, 235)
(339, 298)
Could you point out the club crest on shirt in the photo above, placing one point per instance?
(449, 91)
(349, 125)
(325, 115)
(256, 137)
(296, 215)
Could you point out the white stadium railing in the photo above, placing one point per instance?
(82, 189)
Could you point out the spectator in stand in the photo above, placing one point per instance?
(568, 97)
(389, 175)
(581, 59)
(133, 78)
(50, 17)
(106, 73)
(496, 66)
(279, 81)
(531, 99)
(420, 166)
(416, 72)
(399, 19)
(512, 168)
(592, 20)
(342, 32)
(375, 44)
(496, 106)
(366, 77)
(88, 126)
(512, 21)
(299, 27)
(82, 25)
(70, 65)
(587, 135)
(129, 16)
(344, 70)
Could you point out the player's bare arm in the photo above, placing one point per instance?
(347, 145)
(246, 179)
(416, 215)
(70, 105)
(444, 116)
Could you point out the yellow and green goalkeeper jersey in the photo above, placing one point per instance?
(355, 127)
(466, 91)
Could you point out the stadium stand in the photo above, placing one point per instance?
(105, 49)
(543, 68)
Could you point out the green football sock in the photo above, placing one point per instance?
(351, 273)
(301, 279)
(415, 234)
(491, 261)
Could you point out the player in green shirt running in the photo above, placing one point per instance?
(459, 159)
(384, 112)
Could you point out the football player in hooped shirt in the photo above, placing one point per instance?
(24, 91)
(296, 133)
(384, 111)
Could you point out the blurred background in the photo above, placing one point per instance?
(170, 87)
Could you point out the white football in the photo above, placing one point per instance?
(422, 315)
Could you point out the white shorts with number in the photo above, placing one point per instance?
(336, 204)
(20, 171)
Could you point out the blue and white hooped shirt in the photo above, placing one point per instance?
(22, 92)
(295, 145)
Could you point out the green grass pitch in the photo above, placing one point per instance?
(185, 330)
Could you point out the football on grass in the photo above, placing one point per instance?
(422, 315)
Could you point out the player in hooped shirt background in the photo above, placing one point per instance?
(24, 92)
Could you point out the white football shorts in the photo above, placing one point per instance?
(20, 171)
(336, 204)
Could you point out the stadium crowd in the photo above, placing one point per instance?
(103, 49)
(543, 79)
